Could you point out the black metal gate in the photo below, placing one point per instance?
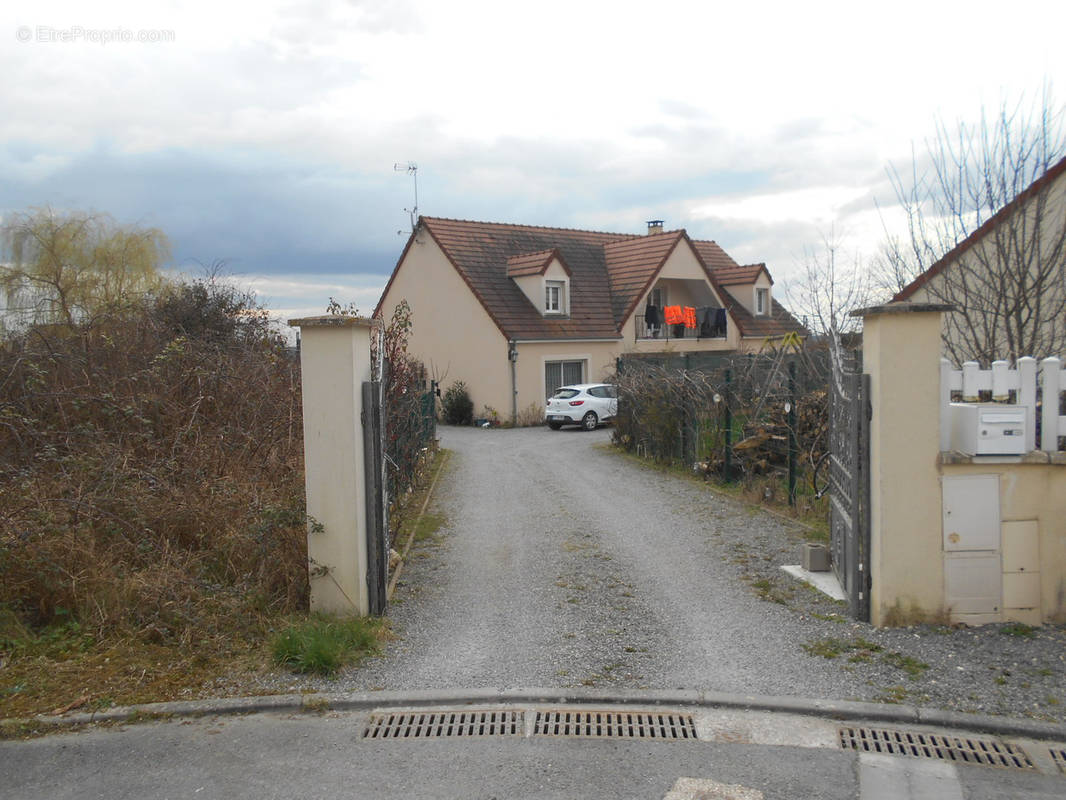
(849, 484)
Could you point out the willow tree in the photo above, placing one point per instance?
(74, 267)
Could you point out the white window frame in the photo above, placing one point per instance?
(583, 358)
(762, 309)
(561, 287)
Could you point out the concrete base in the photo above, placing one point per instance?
(825, 582)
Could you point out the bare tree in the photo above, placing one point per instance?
(985, 214)
(833, 282)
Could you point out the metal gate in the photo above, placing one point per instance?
(377, 505)
(849, 484)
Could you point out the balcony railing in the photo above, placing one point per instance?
(671, 332)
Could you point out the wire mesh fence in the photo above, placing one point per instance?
(736, 417)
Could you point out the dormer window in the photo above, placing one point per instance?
(554, 297)
(762, 302)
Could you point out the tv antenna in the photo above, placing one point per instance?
(411, 168)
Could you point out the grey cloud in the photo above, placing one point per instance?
(260, 215)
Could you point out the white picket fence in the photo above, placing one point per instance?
(1000, 381)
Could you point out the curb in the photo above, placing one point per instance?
(840, 710)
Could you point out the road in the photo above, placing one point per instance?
(264, 756)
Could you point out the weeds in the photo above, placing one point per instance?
(910, 665)
(1018, 629)
(323, 644)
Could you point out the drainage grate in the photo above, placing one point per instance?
(965, 750)
(615, 724)
(1058, 755)
(443, 724)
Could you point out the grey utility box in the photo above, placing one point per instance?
(988, 429)
(815, 558)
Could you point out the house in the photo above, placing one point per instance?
(516, 311)
(1007, 280)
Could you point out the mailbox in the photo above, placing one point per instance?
(988, 429)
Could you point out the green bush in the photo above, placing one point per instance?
(456, 406)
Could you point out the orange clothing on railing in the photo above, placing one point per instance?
(672, 315)
(689, 315)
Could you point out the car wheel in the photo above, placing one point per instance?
(590, 421)
(555, 425)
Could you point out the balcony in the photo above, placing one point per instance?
(666, 333)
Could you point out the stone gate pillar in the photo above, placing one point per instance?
(334, 363)
(901, 354)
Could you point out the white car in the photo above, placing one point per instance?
(584, 404)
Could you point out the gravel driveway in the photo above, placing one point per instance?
(562, 564)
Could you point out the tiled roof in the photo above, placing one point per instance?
(713, 256)
(1034, 188)
(609, 273)
(534, 263)
(631, 265)
(778, 323)
(479, 251)
(748, 274)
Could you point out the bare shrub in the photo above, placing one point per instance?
(729, 418)
(152, 466)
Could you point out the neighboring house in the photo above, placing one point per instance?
(1007, 280)
(516, 311)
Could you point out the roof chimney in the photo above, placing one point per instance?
(655, 226)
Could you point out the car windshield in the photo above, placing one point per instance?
(565, 394)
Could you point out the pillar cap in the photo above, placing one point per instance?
(902, 308)
(333, 321)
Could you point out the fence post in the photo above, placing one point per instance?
(792, 446)
(1027, 397)
(1051, 378)
(727, 461)
(334, 363)
(971, 374)
(1000, 381)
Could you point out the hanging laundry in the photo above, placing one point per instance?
(705, 320)
(653, 315)
(673, 315)
(718, 329)
(689, 317)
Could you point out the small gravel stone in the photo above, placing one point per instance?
(563, 564)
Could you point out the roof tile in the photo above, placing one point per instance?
(609, 273)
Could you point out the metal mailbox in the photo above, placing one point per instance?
(988, 429)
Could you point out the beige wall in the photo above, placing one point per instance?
(1032, 492)
(452, 333)
(599, 357)
(745, 293)
(901, 355)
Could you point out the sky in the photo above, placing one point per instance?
(274, 137)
